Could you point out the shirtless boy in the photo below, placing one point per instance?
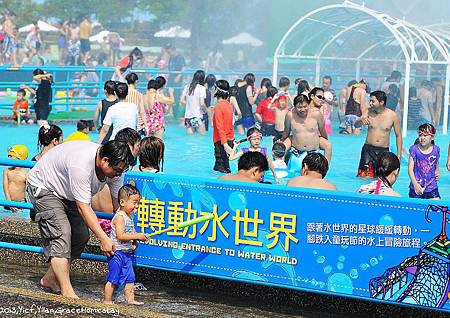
(15, 178)
(304, 127)
(314, 170)
(251, 167)
(281, 103)
(381, 120)
(10, 41)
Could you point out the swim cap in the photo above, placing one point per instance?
(18, 151)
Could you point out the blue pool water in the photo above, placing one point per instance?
(194, 155)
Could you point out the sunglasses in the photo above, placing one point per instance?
(320, 97)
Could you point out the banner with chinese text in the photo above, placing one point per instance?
(372, 247)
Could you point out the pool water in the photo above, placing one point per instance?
(194, 155)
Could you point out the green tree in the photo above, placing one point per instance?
(27, 11)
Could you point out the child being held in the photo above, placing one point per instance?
(21, 111)
(125, 239)
(15, 178)
(423, 165)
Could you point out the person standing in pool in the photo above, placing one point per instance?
(43, 95)
(223, 135)
(246, 97)
(304, 128)
(121, 115)
(381, 120)
(102, 107)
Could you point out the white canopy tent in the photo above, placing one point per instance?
(173, 32)
(43, 26)
(243, 39)
(101, 35)
(352, 32)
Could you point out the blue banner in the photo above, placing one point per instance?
(371, 247)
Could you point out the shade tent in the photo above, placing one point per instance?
(243, 39)
(352, 32)
(173, 32)
(102, 34)
(43, 26)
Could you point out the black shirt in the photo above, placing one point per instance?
(176, 63)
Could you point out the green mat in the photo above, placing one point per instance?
(71, 115)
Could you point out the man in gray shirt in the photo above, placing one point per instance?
(60, 187)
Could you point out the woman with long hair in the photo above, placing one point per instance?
(246, 98)
(193, 97)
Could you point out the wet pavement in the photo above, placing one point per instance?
(21, 295)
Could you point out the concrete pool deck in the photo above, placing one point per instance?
(168, 294)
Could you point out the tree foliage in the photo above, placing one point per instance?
(26, 10)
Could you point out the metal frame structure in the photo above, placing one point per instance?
(356, 33)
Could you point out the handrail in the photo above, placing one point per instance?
(28, 206)
(36, 249)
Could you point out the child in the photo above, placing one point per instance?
(423, 165)
(266, 116)
(125, 238)
(387, 167)
(254, 136)
(21, 112)
(83, 128)
(15, 178)
(278, 153)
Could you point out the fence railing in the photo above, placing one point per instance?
(24, 205)
(68, 91)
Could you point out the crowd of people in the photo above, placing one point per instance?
(73, 42)
(75, 177)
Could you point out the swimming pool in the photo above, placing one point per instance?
(194, 155)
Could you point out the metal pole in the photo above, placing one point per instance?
(28, 206)
(358, 70)
(36, 249)
(318, 72)
(405, 99)
(275, 70)
(446, 93)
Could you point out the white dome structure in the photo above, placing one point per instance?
(355, 33)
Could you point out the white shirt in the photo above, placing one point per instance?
(193, 107)
(68, 170)
(121, 115)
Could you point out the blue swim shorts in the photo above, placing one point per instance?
(120, 268)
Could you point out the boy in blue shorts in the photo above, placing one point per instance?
(125, 239)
